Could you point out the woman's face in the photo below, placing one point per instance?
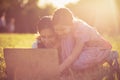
(62, 30)
(47, 37)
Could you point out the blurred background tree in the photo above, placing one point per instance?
(25, 12)
(104, 15)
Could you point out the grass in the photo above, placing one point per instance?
(16, 40)
(115, 42)
(13, 41)
(26, 40)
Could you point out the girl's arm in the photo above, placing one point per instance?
(74, 55)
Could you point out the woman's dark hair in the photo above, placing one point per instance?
(44, 22)
(62, 16)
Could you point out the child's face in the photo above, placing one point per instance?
(62, 30)
(47, 37)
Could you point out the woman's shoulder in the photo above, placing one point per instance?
(85, 31)
(78, 23)
(83, 27)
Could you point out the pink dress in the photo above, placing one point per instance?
(91, 54)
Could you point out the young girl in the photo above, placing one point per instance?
(82, 46)
(47, 37)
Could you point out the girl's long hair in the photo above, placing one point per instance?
(62, 16)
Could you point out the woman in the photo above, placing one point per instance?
(82, 47)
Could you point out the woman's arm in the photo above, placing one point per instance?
(74, 55)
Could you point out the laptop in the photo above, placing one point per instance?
(31, 64)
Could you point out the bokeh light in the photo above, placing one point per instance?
(56, 3)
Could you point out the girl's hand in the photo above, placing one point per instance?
(63, 71)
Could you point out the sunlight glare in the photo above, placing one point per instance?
(106, 17)
(56, 3)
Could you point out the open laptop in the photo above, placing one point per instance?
(31, 64)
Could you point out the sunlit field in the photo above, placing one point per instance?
(13, 41)
(26, 40)
(103, 15)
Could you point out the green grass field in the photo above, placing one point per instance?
(26, 40)
(13, 41)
